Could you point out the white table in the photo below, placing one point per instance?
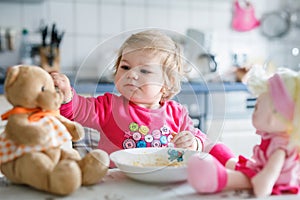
(116, 186)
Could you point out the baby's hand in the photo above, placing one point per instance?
(62, 82)
(186, 140)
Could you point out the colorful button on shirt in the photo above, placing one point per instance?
(143, 130)
(129, 144)
(133, 126)
(141, 144)
(141, 136)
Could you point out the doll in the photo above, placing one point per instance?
(274, 167)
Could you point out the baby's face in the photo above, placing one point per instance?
(139, 78)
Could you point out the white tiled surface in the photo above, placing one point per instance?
(134, 16)
(111, 18)
(61, 12)
(92, 21)
(87, 19)
(6, 10)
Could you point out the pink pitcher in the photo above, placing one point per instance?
(244, 17)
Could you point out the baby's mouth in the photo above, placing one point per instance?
(131, 85)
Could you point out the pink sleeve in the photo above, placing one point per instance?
(188, 125)
(88, 111)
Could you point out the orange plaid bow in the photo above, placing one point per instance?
(35, 114)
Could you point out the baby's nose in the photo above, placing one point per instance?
(132, 74)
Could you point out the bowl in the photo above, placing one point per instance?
(156, 165)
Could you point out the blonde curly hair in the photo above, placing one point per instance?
(158, 43)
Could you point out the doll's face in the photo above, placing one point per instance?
(265, 118)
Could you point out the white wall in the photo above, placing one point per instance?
(90, 22)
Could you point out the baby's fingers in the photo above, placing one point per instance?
(184, 139)
(60, 80)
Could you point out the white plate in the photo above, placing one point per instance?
(156, 165)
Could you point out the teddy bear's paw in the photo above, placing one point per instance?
(65, 178)
(206, 174)
(94, 166)
(77, 132)
(70, 154)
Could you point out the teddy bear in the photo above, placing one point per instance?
(31, 150)
(274, 167)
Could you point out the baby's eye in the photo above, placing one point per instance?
(43, 88)
(125, 67)
(144, 71)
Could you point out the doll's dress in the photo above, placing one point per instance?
(289, 178)
(58, 133)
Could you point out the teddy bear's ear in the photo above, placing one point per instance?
(11, 75)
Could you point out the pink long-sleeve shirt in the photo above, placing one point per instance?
(123, 124)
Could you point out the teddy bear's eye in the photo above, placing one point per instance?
(43, 88)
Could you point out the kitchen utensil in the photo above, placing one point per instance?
(155, 165)
(2, 39)
(59, 38)
(275, 24)
(295, 18)
(56, 37)
(203, 69)
(44, 32)
(49, 53)
(198, 58)
(2, 76)
(244, 16)
(207, 63)
(25, 48)
(50, 58)
(10, 36)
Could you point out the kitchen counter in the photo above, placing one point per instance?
(116, 186)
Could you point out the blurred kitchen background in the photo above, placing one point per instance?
(235, 35)
(87, 23)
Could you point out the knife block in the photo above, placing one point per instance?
(50, 59)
